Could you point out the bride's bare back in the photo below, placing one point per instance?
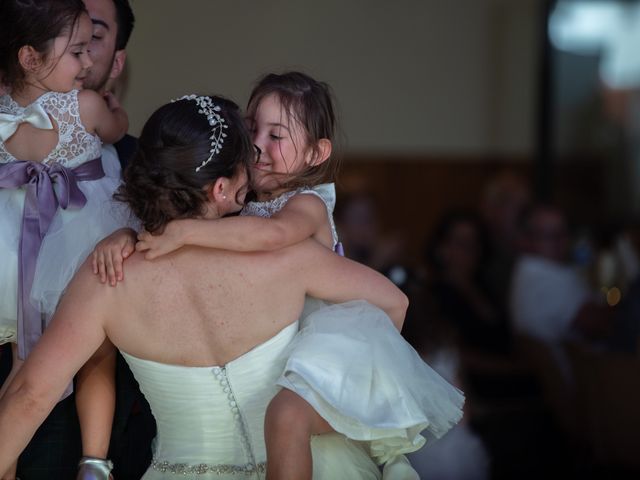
(202, 307)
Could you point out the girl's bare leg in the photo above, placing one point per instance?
(15, 367)
(95, 401)
(289, 423)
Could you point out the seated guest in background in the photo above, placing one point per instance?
(549, 300)
(358, 221)
(456, 253)
(458, 332)
(503, 198)
(459, 302)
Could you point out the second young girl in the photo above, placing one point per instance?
(55, 197)
(349, 369)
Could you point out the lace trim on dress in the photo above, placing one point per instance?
(267, 209)
(75, 145)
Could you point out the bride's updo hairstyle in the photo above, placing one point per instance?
(166, 178)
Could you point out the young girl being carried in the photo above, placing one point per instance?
(54, 195)
(349, 369)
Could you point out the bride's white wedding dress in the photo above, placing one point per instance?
(211, 419)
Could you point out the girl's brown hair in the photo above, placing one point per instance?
(36, 23)
(310, 103)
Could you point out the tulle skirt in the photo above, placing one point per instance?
(71, 237)
(352, 365)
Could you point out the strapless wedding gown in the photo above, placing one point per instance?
(211, 419)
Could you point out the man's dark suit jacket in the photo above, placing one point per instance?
(126, 148)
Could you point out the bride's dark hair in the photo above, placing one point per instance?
(161, 183)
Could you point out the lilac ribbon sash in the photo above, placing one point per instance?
(48, 187)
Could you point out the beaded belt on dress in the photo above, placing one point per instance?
(221, 469)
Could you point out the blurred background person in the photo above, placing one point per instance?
(550, 301)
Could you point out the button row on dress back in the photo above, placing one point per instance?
(221, 374)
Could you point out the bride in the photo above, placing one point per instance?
(204, 331)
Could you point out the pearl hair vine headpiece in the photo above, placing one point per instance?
(210, 110)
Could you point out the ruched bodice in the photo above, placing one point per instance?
(213, 415)
(211, 419)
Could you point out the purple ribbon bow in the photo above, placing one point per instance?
(48, 187)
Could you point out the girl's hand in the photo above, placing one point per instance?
(157, 245)
(109, 254)
(112, 101)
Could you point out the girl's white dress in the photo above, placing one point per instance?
(73, 232)
(356, 370)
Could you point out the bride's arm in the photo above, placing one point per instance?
(338, 279)
(74, 334)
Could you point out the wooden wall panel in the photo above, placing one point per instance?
(412, 193)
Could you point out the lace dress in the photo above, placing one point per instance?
(211, 419)
(73, 231)
(351, 364)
